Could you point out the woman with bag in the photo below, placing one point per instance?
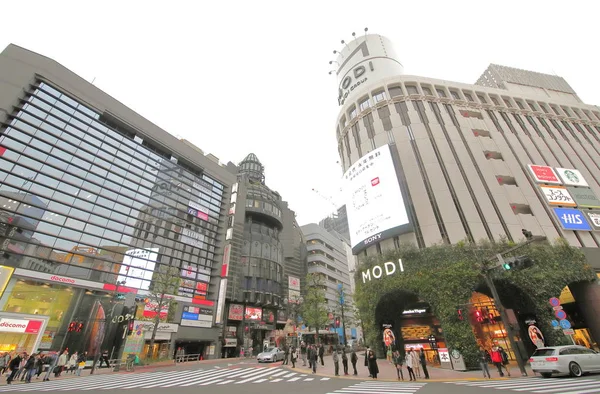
(398, 362)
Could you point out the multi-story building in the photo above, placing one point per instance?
(337, 222)
(460, 162)
(267, 263)
(94, 200)
(327, 257)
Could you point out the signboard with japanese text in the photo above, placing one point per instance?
(584, 197)
(558, 195)
(593, 217)
(544, 174)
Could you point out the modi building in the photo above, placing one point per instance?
(432, 163)
(94, 200)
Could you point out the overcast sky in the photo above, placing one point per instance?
(236, 77)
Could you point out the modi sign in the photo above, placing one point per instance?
(378, 271)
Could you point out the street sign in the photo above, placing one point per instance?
(560, 315)
(569, 331)
(565, 324)
(554, 323)
(444, 355)
(554, 301)
(557, 308)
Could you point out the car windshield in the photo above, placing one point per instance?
(270, 350)
(543, 352)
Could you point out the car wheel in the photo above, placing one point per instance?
(575, 369)
(546, 375)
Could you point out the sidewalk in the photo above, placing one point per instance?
(387, 371)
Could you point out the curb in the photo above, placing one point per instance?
(352, 377)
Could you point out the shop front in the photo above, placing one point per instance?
(142, 334)
(420, 330)
(21, 332)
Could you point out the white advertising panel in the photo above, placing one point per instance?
(571, 177)
(558, 195)
(192, 238)
(373, 199)
(293, 283)
(137, 268)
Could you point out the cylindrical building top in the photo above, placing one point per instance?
(366, 59)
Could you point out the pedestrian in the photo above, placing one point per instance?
(294, 356)
(31, 367)
(373, 368)
(483, 362)
(3, 361)
(51, 360)
(321, 353)
(309, 355)
(104, 359)
(389, 355)
(410, 360)
(398, 362)
(61, 363)
(241, 352)
(367, 359)
(354, 360)
(345, 362)
(497, 359)
(303, 353)
(315, 359)
(14, 365)
(423, 362)
(21, 372)
(286, 354)
(336, 363)
(72, 364)
(81, 362)
(416, 363)
(505, 361)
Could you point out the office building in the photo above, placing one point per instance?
(337, 222)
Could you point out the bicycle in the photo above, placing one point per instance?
(129, 363)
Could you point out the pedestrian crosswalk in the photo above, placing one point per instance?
(374, 386)
(167, 379)
(538, 385)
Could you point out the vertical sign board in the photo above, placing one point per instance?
(223, 285)
(572, 219)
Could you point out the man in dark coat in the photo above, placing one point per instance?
(14, 367)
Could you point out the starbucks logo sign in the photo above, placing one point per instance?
(570, 175)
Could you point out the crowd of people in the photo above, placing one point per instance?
(23, 366)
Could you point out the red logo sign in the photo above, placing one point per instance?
(544, 174)
(62, 279)
(375, 181)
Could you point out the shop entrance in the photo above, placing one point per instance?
(21, 333)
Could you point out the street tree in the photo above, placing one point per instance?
(314, 305)
(165, 283)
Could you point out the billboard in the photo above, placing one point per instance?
(543, 174)
(572, 219)
(373, 199)
(137, 268)
(571, 177)
(253, 313)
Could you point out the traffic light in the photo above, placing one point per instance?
(518, 262)
(130, 326)
(72, 326)
(460, 314)
(79, 327)
(478, 316)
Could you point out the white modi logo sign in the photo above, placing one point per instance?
(378, 271)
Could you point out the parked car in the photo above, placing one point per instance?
(272, 354)
(561, 360)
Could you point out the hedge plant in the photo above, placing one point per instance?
(445, 276)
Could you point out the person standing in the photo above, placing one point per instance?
(398, 362)
(367, 359)
(497, 359)
(293, 356)
(286, 354)
(303, 353)
(505, 360)
(354, 360)
(345, 362)
(3, 362)
(336, 362)
(321, 353)
(423, 361)
(410, 364)
(72, 364)
(315, 359)
(81, 362)
(416, 363)
(373, 367)
(483, 362)
(309, 354)
(104, 358)
(14, 368)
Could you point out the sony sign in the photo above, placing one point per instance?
(367, 58)
(377, 271)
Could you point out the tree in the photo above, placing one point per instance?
(165, 282)
(314, 305)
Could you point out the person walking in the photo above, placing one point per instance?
(293, 356)
(62, 362)
(14, 365)
(505, 361)
(410, 360)
(373, 367)
(398, 362)
(345, 362)
(315, 359)
(104, 358)
(423, 362)
(51, 360)
(336, 362)
(497, 359)
(321, 353)
(31, 367)
(81, 362)
(483, 362)
(286, 354)
(3, 362)
(303, 353)
(354, 360)
(310, 355)
(367, 359)
(72, 364)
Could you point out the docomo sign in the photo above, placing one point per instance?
(20, 325)
(377, 271)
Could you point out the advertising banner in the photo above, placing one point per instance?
(294, 283)
(253, 313)
(584, 198)
(594, 218)
(236, 312)
(572, 219)
(137, 268)
(374, 200)
(558, 195)
(543, 174)
(196, 316)
(571, 177)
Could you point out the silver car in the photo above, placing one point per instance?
(272, 354)
(560, 360)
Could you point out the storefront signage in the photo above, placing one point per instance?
(236, 312)
(196, 316)
(444, 355)
(20, 325)
(230, 342)
(414, 311)
(377, 271)
(572, 219)
(594, 218)
(558, 195)
(162, 327)
(226, 257)
(584, 198)
(293, 283)
(58, 279)
(571, 177)
(221, 300)
(544, 174)
(253, 313)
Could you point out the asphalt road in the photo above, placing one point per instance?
(237, 377)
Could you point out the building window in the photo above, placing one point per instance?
(455, 95)
(520, 104)
(507, 103)
(441, 92)
(379, 97)
(365, 104)
(495, 100)
(482, 98)
(353, 113)
(426, 90)
(469, 97)
(412, 89)
(395, 91)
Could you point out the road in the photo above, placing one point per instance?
(236, 377)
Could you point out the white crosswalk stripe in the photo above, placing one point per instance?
(166, 379)
(372, 387)
(538, 385)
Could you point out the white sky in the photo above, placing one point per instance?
(241, 76)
